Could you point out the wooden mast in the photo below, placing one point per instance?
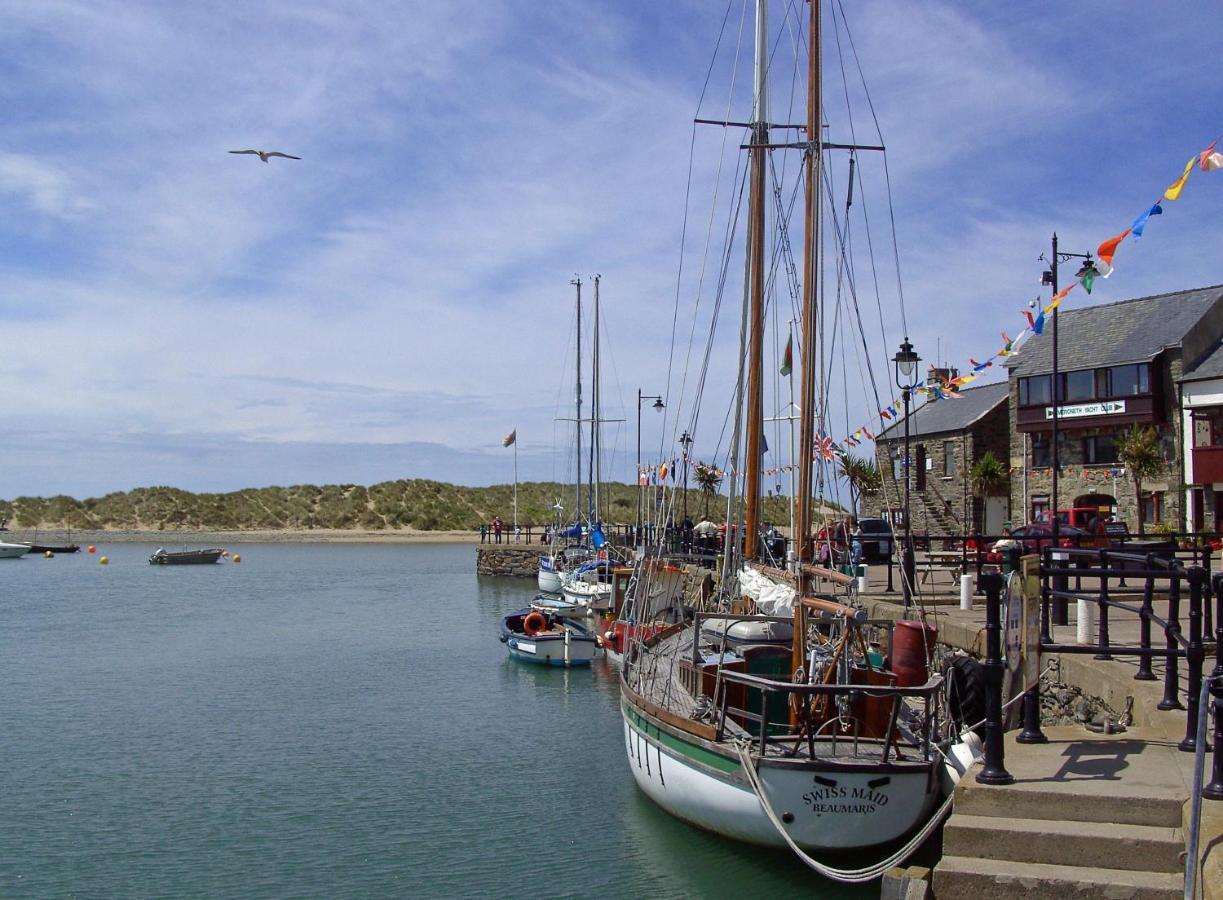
(756, 263)
(806, 442)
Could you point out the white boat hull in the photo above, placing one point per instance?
(551, 651)
(12, 551)
(831, 807)
(584, 593)
(549, 580)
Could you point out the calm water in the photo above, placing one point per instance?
(335, 721)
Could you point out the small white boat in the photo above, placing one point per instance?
(12, 551)
(535, 637)
(589, 585)
(559, 606)
(549, 578)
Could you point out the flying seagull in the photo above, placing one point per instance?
(265, 154)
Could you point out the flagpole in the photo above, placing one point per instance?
(790, 413)
(515, 480)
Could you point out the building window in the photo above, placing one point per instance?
(1125, 381)
(948, 458)
(1099, 450)
(1042, 454)
(1035, 391)
(1208, 427)
(1077, 386)
(897, 466)
(1152, 507)
(1040, 507)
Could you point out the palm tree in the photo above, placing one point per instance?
(863, 478)
(1138, 450)
(989, 476)
(709, 480)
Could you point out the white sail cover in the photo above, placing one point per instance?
(772, 599)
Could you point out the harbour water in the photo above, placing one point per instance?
(320, 720)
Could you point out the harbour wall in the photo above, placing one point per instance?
(513, 560)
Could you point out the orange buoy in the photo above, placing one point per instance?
(534, 623)
(48, 554)
(237, 558)
(93, 549)
(225, 554)
(103, 560)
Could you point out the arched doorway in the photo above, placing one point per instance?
(1104, 504)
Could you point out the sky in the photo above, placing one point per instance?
(397, 301)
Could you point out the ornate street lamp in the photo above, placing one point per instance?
(906, 361)
(658, 407)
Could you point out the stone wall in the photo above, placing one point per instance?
(946, 503)
(507, 559)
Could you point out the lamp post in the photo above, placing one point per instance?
(906, 361)
(685, 441)
(658, 407)
(1049, 277)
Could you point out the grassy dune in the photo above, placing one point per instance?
(392, 505)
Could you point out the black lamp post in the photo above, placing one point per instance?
(1050, 278)
(658, 407)
(906, 370)
(685, 441)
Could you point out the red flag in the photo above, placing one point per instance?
(1106, 250)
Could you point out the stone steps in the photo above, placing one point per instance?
(1125, 805)
(1143, 848)
(992, 879)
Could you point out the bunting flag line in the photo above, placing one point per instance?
(1207, 160)
(1174, 189)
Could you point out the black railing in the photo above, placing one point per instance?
(1162, 578)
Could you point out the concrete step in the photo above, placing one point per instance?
(957, 877)
(1127, 804)
(1142, 848)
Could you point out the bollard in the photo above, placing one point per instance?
(1086, 624)
(966, 589)
(994, 770)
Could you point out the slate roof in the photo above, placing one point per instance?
(1210, 366)
(1114, 334)
(951, 415)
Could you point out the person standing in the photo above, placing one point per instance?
(483, 532)
(497, 528)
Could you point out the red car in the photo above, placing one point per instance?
(1039, 535)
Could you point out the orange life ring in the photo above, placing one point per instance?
(534, 623)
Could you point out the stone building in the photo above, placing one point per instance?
(946, 439)
(1202, 418)
(1120, 364)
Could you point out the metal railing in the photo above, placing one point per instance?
(1162, 579)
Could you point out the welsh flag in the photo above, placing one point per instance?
(510, 438)
(787, 362)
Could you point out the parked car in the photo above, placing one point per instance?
(878, 542)
(1036, 537)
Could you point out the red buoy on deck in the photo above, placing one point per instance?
(912, 650)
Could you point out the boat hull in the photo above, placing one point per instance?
(572, 646)
(186, 558)
(549, 578)
(832, 806)
(13, 551)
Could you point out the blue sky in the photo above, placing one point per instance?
(398, 300)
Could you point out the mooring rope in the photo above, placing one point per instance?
(847, 876)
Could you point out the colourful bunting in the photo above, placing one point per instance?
(1141, 222)
(884, 414)
(1108, 249)
(1210, 160)
(1174, 189)
(978, 367)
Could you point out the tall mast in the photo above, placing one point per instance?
(577, 471)
(755, 253)
(807, 395)
(594, 413)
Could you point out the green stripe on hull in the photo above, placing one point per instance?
(692, 751)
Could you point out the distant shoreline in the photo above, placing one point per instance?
(220, 538)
